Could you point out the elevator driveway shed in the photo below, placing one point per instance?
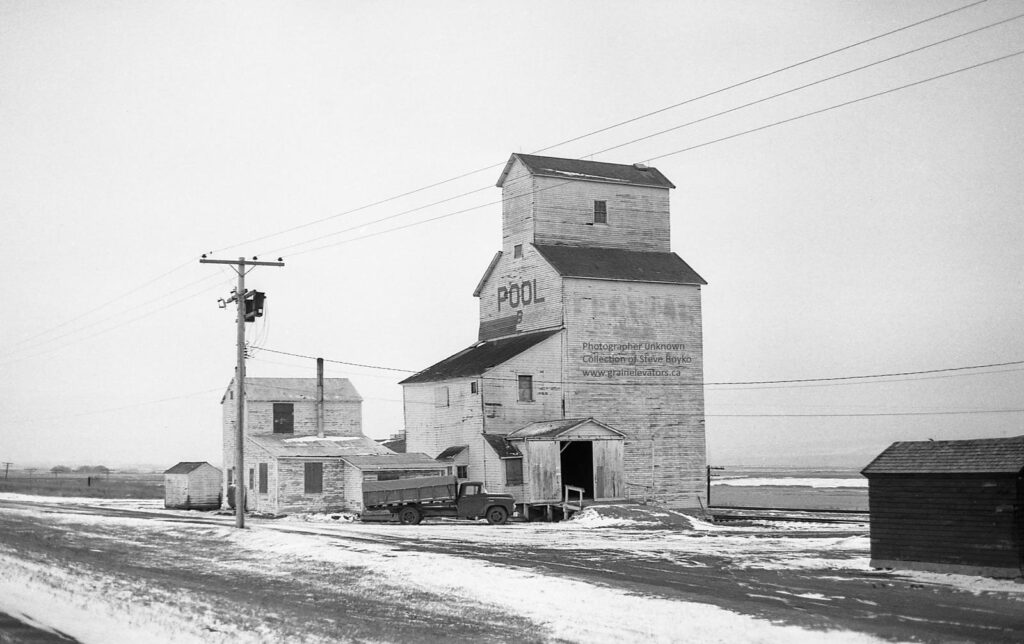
(580, 452)
(949, 506)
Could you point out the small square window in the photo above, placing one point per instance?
(462, 471)
(513, 471)
(284, 418)
(600, 212)
(517, 251)
(474, 387)
(525, 388)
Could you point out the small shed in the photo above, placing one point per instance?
(192, 485)
(949, 506)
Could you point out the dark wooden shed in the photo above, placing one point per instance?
(949, 506)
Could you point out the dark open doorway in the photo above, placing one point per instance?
(578, 465)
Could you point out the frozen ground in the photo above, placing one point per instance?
(129, 571)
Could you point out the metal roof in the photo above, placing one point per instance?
(502, 447)
(295, 390)
(978, 456)
(618, 264)
(413, 461)
(580, 170)
(186, 466)
(451, 453)
(284, 445)
(480, 357)
(552, 429)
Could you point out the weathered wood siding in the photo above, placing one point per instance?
(517, 196)
(634, 360)
(199, 489)
(291, 486)
(433, 426)
(542, 472)
(952, 523)
(520, 295)
(266, 501)
(638, 216)
(608, 470)
(503, 411)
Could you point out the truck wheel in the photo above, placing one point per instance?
(409, 516)
(497, 515)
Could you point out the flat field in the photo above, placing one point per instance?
(116, 485)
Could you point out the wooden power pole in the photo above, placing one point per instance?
(239, 298)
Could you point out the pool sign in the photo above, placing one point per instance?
(522, 294)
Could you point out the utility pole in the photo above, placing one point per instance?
(239, 298)
(7, 466)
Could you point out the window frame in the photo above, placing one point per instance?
(600, 212)
(313, 477)
(442, 396)
(520, 380)
(517, 251)
(511, 480)
(283, 423)
(264, 470)
(462, 471)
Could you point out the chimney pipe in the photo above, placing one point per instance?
(320, 397)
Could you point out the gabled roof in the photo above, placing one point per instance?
(186, 466)
(480, 357)
(502, 447)
(553, 429)
(451, 452)
(581, 170)
(413, 461)
(295, 390)
(617, 264)
(978, 456)
(285, 445)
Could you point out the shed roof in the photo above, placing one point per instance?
(552, 429)
(412, 461)
(295, 390)
(186, 466)
(618, 264)
(284, 445)
(480, 357)
(502, 447)
(977, 456)
(582, 170)
(451, 452)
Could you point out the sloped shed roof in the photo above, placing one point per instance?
(619, 264)
(554, 429)
(451, 452)
(186, 467)
(412, 461)
(978, 456)
(480, 357)
(581, 170)
(502, 447)
(295, 390)
(285, 445)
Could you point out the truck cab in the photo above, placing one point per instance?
(475, 502)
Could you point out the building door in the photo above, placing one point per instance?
(577, 462)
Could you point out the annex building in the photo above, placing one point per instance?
(588, 367)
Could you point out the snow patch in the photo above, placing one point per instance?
(793, 482)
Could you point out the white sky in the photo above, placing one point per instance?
(880, 237)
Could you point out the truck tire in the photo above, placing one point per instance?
(409, 516)
(497, 515)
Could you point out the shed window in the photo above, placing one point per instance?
(525, 388)
(462, 471)
(517, 251)
(231, 476)
(441, 397)
(513, 471)
(252, 477)
(600, 212)
(388, 476)
(474, 387)
(284, 418)
(263, 478)
(314, 478)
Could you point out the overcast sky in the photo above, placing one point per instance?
(880, 237)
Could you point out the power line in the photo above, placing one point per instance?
(112, 409)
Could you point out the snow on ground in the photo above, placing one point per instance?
(792, 482)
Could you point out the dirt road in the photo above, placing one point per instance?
(321, 600)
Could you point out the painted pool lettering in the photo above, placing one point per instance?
(521, 294)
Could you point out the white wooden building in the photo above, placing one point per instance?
(588, 323)
(192, 485)
(295, 465)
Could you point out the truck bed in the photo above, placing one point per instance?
(424, 489)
